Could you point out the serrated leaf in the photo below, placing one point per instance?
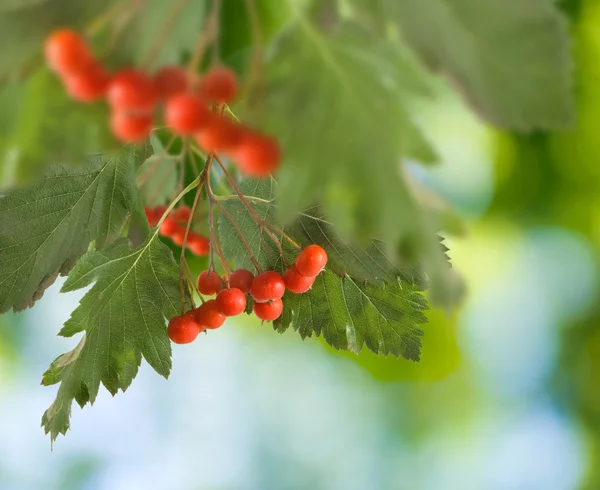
(45, 228)
(345, 132)
(366, 264)
(350, 314)
(361, 298)
(510, 59)
(123, 317)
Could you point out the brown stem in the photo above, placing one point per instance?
(215, 245)
(164, 32)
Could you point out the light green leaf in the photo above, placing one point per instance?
(157, 176)
(510, 59)
(45, 228)
(123, 317)
(350, 314)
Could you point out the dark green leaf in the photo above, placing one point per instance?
(123, 317)
(45, 228)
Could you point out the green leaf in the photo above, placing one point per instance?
(45, 228)
(311, 226)
(123, 317)
(361, 298)
(157, 176)
(50, 127)
(350, 314)
(510, 59)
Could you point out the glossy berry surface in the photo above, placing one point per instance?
(221, 134)
(89, 85)
(267, 286)
(207, 315)
(219, 85)
(311, 260)
(170, 80)
(198, 244)
(209, 282)
(66, 52)
(131, 127)
(257, 155)
(132, 90)
(231, 302)
(241, 279)
(183, 329)
(296, 282)
(268, 311)
(186, 113)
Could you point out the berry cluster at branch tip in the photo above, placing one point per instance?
(266, 290)
(174, 226)
(192, 105)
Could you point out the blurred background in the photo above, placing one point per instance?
(505, 397)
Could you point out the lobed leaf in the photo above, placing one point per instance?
(46, 227)
(123, 317)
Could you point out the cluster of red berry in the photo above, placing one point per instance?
(174, 227)
(266, 289)
(133, 96)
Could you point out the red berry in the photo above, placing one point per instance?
(132, 90)
(268, 311)
(207, 315)
(168, 227)
(198, 244)
(209, 282)
(186, 113)
(267, 286)
(296, 282)
(221, 134)
(183, 329)
(257, 155)
(159, 211)
(231, 302)
(131, 127)
(151, 215)
(66, 52)
(311, 261)
(241, 279)
(88, 85)
(219, 85)
(170, 80)
(182, 213)
(178, 236)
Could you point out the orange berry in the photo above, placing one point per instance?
(221, 134)
(66, 52)
(231, 302)
(268, 311)
(198, 244)
(209, 282)
(183, 329)
(296, 282)
(132, 90)
(207, 315)
(257, 155)
(311, 261)
(267, 286)
(170, 80)
(131, 127)
(219, 85)
(88, 85)
(186, 113)
(241, 279)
